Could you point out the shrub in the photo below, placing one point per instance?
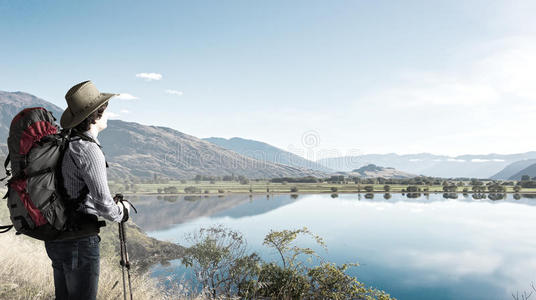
(192, 190)
(293, 189)
(334, 189)
(220, 263)
(171, 190)
(218, 258)
(412, 189)
(221, 191)
(369, 188)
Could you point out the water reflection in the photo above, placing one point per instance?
(161, 212)
(496, 196)
(450, 195)
(416, 248)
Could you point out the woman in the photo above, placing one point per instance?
(75, 256)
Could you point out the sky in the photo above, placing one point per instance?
(317, 78)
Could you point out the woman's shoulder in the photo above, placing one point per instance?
(79, 147)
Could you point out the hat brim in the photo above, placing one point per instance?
(70, 120)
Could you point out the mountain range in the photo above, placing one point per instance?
(142, 151)
(470, 166)
(136, 150)
(266, 152)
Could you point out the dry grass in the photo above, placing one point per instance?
(26, 273)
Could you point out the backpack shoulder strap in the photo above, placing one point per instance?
(84, 137)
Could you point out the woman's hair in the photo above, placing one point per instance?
(91, 119)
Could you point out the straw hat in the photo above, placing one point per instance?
(82, 100)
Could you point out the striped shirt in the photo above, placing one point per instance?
(84, 165)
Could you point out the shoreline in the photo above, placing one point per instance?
(322, 192)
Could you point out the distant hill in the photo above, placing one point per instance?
(145, 151)
(374, 171)
(266, 152)
(530, 171)
(513, 168)
(472, 166)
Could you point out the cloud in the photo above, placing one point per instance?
(482, 94)
(174, 92)
(125, 96)
(149, 76)
(477, 160)
(456, 160)
(111, 115)
(505, 69)
(124, 111)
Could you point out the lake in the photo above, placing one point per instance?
(427, 247)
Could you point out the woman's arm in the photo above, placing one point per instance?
(96, 179)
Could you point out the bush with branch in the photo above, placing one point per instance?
(221, 265)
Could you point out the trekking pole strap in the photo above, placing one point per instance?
(5, 228)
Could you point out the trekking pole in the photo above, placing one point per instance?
(124, 262)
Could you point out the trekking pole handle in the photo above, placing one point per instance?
(118, 198)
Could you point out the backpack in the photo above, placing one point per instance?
(38, 203)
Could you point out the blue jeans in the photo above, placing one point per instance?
(76, 267)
